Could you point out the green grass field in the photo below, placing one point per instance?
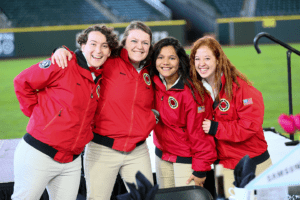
(267, 70)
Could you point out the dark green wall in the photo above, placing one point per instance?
(244, 32)
(30, 44)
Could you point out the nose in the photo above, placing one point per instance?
(201, 63)
(165, 61)
(99, 50)
(139, 45)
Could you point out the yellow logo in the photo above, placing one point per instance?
(224, 105)
(173, 103)
(147, 79)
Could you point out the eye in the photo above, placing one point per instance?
(159, 57)
(105, 46)
(207, 58)
(146, 43)
(197, 59)
(133, 41)
(172, 58)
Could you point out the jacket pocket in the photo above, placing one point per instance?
(52, 120)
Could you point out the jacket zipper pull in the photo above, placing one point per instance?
(162, 98)
(92, 95)
(59, 114)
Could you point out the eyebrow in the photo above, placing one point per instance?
(134, 38)
(97, 42)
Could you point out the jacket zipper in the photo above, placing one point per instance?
(84, 118)
(58, 115)
(132, 113)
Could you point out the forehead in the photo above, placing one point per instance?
(139, 34)
(168, 50)
(204, 50)
(96, 36)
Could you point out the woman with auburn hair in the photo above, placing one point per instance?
(238, 109)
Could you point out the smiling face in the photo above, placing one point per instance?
(167, 63)
(137, 44)
(206, 64)
(96, 49)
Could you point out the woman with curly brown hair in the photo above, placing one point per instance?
(238, 109)
(61, 105)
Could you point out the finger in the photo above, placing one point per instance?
(59, 62)
(69, 56)
(189, 180)
(65, 61)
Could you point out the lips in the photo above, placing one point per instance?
(97, 57)
(166, 68)
(203, 70)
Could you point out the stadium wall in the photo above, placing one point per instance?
(240, 31)
(41, 41)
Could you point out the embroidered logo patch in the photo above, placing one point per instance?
(45, 64)
(147, 79)
(98, 91)
(173, 103)
(200, 109)
(224, 105)
(247, 101)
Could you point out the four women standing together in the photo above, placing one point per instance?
(214, 113)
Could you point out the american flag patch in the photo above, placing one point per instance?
(247, 101)
(201, 109)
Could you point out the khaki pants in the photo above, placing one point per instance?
(34, 171)
(170, 174)
(229, 175)
(102, 165)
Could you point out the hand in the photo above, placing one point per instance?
(198, 181)
(61, 56)
(206, 125)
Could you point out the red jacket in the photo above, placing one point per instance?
(179, 131)
(124, 115)
(61, 105)
(239, 129)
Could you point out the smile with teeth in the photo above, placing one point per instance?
(141, 52)
(203, 70)
(166, 68)
(97, 57)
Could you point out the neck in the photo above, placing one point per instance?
(171, 80)
(210, 81)
(136, 65)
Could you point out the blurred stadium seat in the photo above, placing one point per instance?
(277, 7)
(229, 8)
(28, 13)
(128, 10)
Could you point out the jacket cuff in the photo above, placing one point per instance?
(59, 48)
(213, 128)
(199, 174)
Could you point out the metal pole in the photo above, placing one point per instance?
(288, 54)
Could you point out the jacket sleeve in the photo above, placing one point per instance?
(202, 145)
(32, 80)
(249, 107)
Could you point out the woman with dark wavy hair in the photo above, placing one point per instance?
(238, 109)
(184, 153)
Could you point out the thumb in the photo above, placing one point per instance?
(52, 60)
(69, 56)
